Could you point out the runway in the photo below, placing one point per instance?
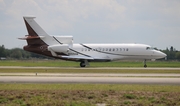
(94, 80)
(92, 74)
(107, 80)
(120, 68)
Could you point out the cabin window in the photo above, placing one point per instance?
(127, 49)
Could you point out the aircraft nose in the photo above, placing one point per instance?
(160, 54)
(163, 55)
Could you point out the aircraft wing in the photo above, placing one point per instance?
(77, 57)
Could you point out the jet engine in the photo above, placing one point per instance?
(54, 49)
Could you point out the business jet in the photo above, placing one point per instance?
(62, 47)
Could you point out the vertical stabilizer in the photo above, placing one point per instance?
(31, 32)
(32, 38)
(34, 30)
(39, 41)
(35, 37)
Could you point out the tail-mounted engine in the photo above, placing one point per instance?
(58, 49)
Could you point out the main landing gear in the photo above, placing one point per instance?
(84, 63)
(145, 63)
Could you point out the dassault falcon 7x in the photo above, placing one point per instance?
(62, 47)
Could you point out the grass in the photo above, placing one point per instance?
(87, 87)
(88, 95)
(59, 63)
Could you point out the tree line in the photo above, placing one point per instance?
(172, 53)
(17, 53)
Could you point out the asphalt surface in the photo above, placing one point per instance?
(132, 68)
(90, 74)
(110, 78)
(94, 80)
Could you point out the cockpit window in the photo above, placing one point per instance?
(149, 48)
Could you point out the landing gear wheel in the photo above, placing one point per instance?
(82, 64)
(145, 66)
(145, 63)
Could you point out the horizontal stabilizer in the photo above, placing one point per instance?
(31, 37)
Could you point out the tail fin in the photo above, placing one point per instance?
(34, 37)
(31, 32)
(36, 32)
(38, 40)
(33, 28)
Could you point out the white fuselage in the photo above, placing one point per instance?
(115, 51)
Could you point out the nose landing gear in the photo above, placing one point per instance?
(145, 63)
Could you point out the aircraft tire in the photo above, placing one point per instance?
(82, 64)
(145, 66)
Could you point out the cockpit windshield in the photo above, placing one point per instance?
(149, 48)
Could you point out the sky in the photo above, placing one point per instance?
(152, 22)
